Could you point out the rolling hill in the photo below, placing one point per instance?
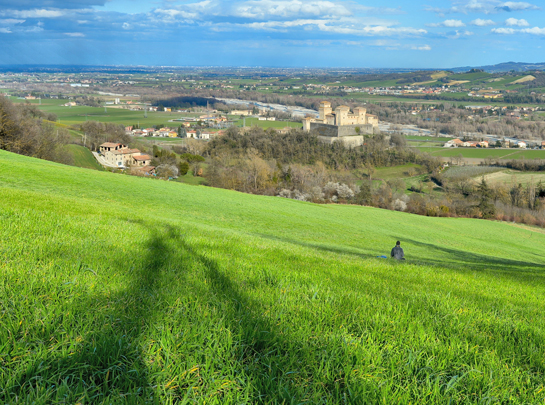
(504, 67)
(118, 289)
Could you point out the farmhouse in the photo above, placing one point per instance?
(453, 143)
(141, 160)
(121, 156)
(341, 124)
(241, 112)
(110, 147)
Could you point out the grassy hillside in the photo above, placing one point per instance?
(120, 289)
(83, 157)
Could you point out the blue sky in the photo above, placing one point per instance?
(275, 33)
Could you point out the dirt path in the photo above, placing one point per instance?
(510, 154)
(466, 161)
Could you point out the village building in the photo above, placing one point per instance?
(341, 124)
(110, 147)
(241, 112)
(121, 156)
(453, 143)
(141, 160)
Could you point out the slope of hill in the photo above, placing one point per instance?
(82, 157)
(504, 67)
(121, 289)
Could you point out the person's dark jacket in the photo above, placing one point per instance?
(397, 253)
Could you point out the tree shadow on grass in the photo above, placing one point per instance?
(465, 261)
(328, 249)
(101, 361)
(276, 365)
(105, 360)
(448, 258)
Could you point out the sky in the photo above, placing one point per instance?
(272, 33)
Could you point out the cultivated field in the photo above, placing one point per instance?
(484, 153)
(250, 122)
(515, 177)
(79, 114)
(118, 289)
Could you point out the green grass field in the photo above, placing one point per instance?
(510, 177)
(83, 157)
(118, 289)
(79, 114)
(395, 172)
(483, 153)
(266, 124)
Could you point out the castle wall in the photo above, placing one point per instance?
(326, 130)
(348, 141)
(334, 131)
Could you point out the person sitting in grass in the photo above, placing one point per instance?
(397, 252)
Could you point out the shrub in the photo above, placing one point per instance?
(184, 168)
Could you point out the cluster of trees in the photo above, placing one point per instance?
(265, 162)
(183, 102)
(97, 133)
(524, 165)
(89, 101)
(298, 166)
(453, 120)
(24, 131)
(301, 147)
(178, 162)
(507, 98)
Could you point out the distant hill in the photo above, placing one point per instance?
(504, 67)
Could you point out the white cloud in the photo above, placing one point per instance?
(261, 9)
(483, 6)
(513, 22)
(421, 48)
(511, 31)
(506, 31)
(461, 34)
(340, 17)
(347, 28)
(35, 29)
(126, 26)
(74, 34)
(534, 31)
(11, 21)
(517, 6)
(268, 9)
(482, 23)
(377, 10)
(172, 14)
(35, 13)
(5, 31)
(449, 24)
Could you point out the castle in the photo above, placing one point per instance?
(342, 125)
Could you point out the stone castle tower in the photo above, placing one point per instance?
(341, 123)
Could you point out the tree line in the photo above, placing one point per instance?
(28, 131)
